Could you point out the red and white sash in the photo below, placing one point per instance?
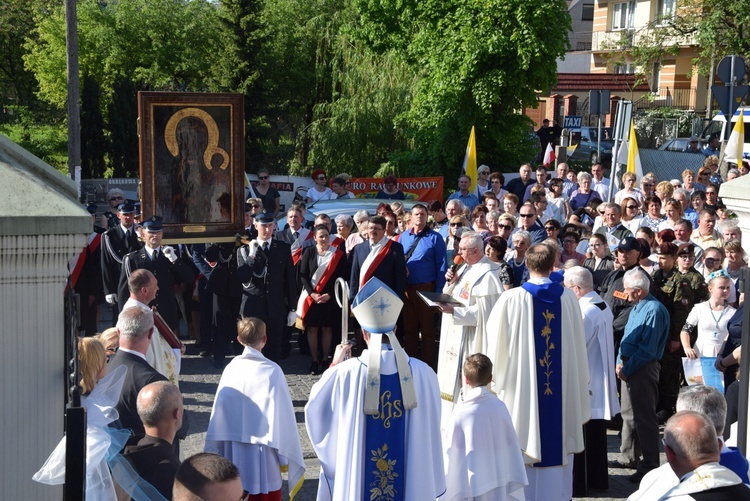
(370, 265)
(304, 234)
(335, 241)
(319, 279)
(75, 265)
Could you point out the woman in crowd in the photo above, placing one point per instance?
(708, 321)
(673, 213)
(391, 225)
(552, 227)
(505, 226)
(653, 217)
(495, 249)
(361, 219)
(497, 181)
(647, 187)
(664, 191)
(319, 268)
(628, 179)
(483, 181)
(344, 225)
(584, 218)
(569, 243)
(92, 358)
(404, 222)
(600, 263)
(510, 205)
(631, 216)
(493, 220)
(698, 200)
(584, 194)
(734, 262)
(268, 195)
(451, 242)
(479, 220)
(704, 178)
(390, 189)
(688, 181)
(110, 338)
(319, 191)
(110, 219)
(516, 257)
(383, 209)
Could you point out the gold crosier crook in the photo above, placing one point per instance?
(212, 148)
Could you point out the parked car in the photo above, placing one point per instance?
(679, 144)
(335, 207)
(586, 149)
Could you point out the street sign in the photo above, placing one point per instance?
(599, 102)
(724, 70)
(721, 93)
(573, 122)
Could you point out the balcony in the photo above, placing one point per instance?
(683, 99)
(580, 41)
(607, 41)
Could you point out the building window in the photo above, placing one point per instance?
(665, 11)
(624, 69)
(587, 12)
(622, 15)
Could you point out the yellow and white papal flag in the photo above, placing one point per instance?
(628, 154)
(736, 144)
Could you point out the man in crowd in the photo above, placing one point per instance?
(693, 454)
(527, 217)
(541, 180)
(710, 402)
(452, 208)
(436, 210)
(294, 234)
(116, 242)
(269, 289)
(629, 253)
(562, 170)
(518, 185)
(467, 198)
(205, 476)
(642, 346)
(599, 183)
(712, 148)
(374, 421)
(476, 287)
(425, 260)
(541, 321)
(612, 228)
(378, 257)
(705, 235)
(683, 196)
(152, 455)
(135, 327)
(682, 231)
(591, 465)
(163, 263)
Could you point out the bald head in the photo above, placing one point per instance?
(690, 441)
(160, 408)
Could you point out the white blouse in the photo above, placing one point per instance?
(711, 328)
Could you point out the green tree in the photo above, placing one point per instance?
(479, 62)
(93, 144)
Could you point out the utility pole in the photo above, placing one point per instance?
(74, 107)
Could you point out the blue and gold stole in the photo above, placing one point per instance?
(548, 346)
(385, 436)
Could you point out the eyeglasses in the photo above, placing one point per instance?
(631, 207)
(115, 198)
(262, 177)
(505, 226)
(485, 173)
(710, 260)
(550, 228)
(321, 178)
(527, 215)
(601, 213)
(457, 225)
(255, 206)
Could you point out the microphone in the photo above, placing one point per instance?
(457, 261)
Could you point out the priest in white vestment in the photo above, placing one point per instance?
(591, 465)
(537, 346)
(483, 460)
(374, 420)
(253, 422)
(476, 286)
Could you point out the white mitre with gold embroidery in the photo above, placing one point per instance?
(376, 307)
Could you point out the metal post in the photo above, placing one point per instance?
(599, 134)
(731, 84)
(744, 368)
(74, 108)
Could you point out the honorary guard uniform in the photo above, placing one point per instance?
(166, 267)
(266, 272)
(116, 242)
(678, 292)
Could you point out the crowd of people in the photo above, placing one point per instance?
(513, 294)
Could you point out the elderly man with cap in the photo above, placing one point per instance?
(374, 420)
(269, 286)
(163, 263)
(642, 346)
(612, 290)
(679, 287)
(116, 242)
